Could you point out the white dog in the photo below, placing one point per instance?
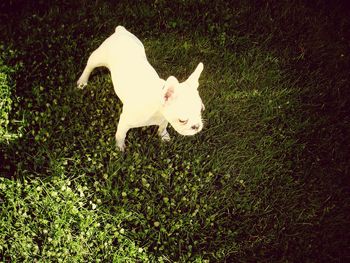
(147, 99)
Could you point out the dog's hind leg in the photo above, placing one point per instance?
(96, 59)
(122, 129)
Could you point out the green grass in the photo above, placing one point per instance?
(265, 181)
(6, 89)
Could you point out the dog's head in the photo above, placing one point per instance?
(182, 105)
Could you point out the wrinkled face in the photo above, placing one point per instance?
(182, 105)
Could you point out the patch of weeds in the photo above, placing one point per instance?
(7, 98)
(56, 219)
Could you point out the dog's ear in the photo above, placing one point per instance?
(193, 79)
(169, 89)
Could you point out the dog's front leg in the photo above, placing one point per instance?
(162, 132)
(120, 135)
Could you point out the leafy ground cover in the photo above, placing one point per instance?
(265, 181)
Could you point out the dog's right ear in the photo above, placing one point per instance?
(169, 89)
(193, 79)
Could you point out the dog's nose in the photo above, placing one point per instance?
(195, 127)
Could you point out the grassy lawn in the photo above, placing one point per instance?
(267, 180)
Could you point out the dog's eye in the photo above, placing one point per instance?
(183, 121)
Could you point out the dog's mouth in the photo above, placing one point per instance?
(190, 131)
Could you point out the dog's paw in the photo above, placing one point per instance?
(81, 84)
(121, 147)
(165, 137)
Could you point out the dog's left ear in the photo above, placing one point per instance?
(169, 89)
(193, 79)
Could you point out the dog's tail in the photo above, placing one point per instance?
(119, 29)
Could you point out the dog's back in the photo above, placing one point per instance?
(133, 77)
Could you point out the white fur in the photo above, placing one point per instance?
(147, 99)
